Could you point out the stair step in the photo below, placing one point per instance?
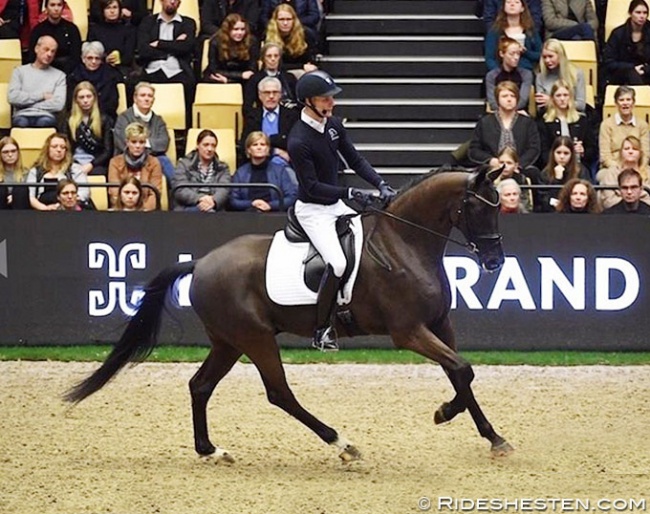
(410, 109)
(404, 7)
(404, 24)
(390, 87)
(405, 45)
(389, 154)
(409, 132)
(404, 66)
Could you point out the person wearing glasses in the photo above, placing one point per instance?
(630, 188)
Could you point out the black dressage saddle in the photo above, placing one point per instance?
(314, 263)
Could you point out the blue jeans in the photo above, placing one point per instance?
(580, 32)
(34, 121)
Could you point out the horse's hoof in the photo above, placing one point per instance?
(350, 454)
(205, 450)
(439, 417)
(220, 456)
(502, 449)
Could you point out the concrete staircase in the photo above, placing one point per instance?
(411, 72)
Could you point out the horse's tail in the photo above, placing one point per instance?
(141, 334)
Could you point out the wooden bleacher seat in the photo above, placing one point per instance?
(99, 195)
(5, 108)
(121, 98)
(79, 10)
(583, 54)
(226, 147)
(188, 8)
(218, 106)
(641, 104)
(10, 57)
(30, 142)
(615, 15)
(170, 105)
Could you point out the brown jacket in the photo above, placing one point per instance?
(151, 173)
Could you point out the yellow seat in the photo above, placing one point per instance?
(226, 147)
(99, 195)
(30, 141)
(170, 104)
(164, 195)
(641, 102)
(121, 98)
(5, 108)
(583, 55)
(79, 10)
(188, 8)
(10, 57)
(218, 106)
(615, 15)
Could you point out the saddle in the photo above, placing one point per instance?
(314, 263)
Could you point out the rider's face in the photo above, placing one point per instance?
(324, 105)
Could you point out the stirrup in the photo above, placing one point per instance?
(325, 340)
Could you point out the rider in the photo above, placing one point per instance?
(317, 144)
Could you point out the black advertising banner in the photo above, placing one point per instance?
(569, 281)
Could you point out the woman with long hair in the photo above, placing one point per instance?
(554, 65)
(89, 131)
(129, 195)
(563, 119)
(136, 162)
(12, 170)
(54, 163)
(578, 196)
(514, 21)
(298, 45)
(233, 52)
(631, 156)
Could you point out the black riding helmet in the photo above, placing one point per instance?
(316, 83)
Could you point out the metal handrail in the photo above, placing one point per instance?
(105, 185)
(232, 185)
(560, 186)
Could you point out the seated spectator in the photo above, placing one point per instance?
(553, 66)
(630, 188)
(141, 111)
(12, 170)
(509, 69)
(563, 119)
(491, 9)
(614, 129)
(89, 131)
(65, 33)
(509, 161)
(298, 45)
(103, 77)
(261, 169)
(275, 120)
(128, 12)
(37, 91)
(202, 166)
(117, 35)
(233, 53)
(562, 166)
(510, 197)
(166, 46)
(626, 58)
(136, 162)
(10, 16)
(271, 61)
(631, 156)
(505, 127)
(67, 196)
(570, 19)
(130, 196)
(54, 163)
(514, 21)
(214, 12)
(307, 11)
(578, 196)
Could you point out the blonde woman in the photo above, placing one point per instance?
(631, 156)
(554, 65)
(12, 170)
(298, 45)
(53, 164)
(89, 131)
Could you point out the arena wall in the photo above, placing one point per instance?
(570, 281)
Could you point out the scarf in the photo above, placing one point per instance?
(506, 138)
(86, 138)
(144, 117)
(135, 163)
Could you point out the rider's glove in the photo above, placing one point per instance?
(361, 196)
(386, 193)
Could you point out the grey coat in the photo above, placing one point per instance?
(556, 14)
(187, 170)
(158, 136)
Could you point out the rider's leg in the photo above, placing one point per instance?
(325, 334)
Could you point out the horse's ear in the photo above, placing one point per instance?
(478, 178)
(492, 175)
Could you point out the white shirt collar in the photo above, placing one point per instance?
(318, 126)
(274, 111)
(619, 120)
(177, 17)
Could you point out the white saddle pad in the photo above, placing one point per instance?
(285, 270)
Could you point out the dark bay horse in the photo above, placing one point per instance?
(401, 290)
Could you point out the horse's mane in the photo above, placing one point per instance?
(413, 183)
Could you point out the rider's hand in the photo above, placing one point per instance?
(360, 196)
(386, 193)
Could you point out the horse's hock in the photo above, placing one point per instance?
(580, 434)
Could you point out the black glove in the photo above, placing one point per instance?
(386, 193)
(360, 196)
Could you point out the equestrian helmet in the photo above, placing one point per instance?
(316, 83)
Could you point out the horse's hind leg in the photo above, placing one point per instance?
(220, 360)
(265, 355)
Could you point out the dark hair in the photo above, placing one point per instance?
(573, 166)
(636, 3)
(65, 182)
(206, 133)
(564, 199)
(103, 4)
(130, 179)
(629, 173)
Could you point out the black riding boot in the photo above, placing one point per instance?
(325, 334)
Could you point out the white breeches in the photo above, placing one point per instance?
(319, 221)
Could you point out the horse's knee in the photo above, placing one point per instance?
(462, 376)
(278, 398)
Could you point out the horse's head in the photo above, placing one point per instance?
(479, 218)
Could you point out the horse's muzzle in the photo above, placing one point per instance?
(490, 252)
